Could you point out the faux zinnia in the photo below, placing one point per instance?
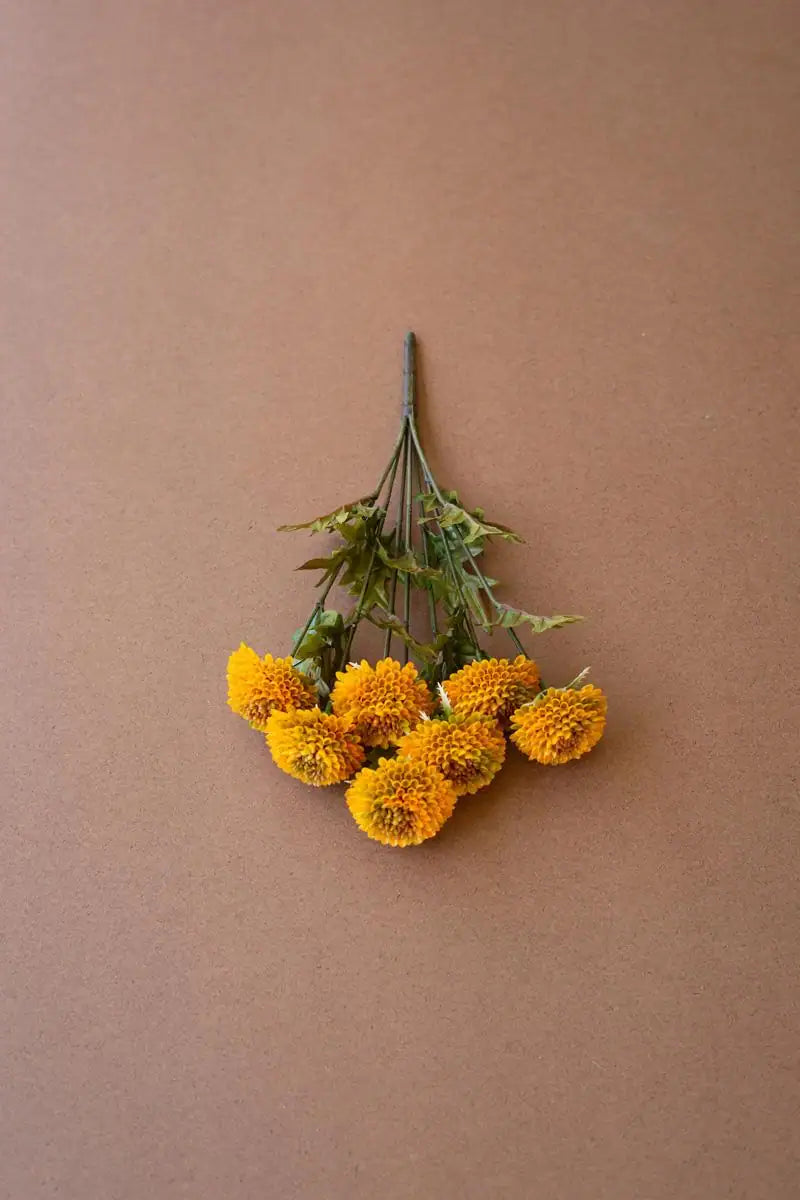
(259, 686)
(400, 802)
(467, 750)
(560, 724)
(493, 687)
(313, 746)
(385, 701)
(410, 555)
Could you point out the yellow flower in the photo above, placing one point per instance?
(385, 701)
(493, 687)
(314, 746)
(257, 687)
(400, 802)
(468, 751)
(560, 724)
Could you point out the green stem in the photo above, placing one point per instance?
(387, 643)
(455, 575)
(578, 681)
(512, 634)
(368, 577)
(391, 465)
(404, 510)
(427, 560)
(391, 469)
(431, 482)
(488, 589)
(407, 546)
(316, 609)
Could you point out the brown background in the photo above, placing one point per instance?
(220, 218)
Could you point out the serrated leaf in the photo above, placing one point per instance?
(425, 651)
(472, 594)
(330, 620)
(358, 563)
(408, 563)
(319, 564)
(357, 528)
(510, 617)
(324, 632)
(376, 594)
(429, 500)
(476, 527)
(311, 644)
(329, 565)
(332, 521)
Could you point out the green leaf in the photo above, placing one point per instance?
(476, 527)
(357, 528)
(333, 521)
(320, 648)
(455, 649)
(324, 631)
(511, 617)
(308, 667)
(473, 599)
(321, 564)
(425, 651)
(430, 501)
(330, 620)
(408, 563)
(311, 644)
(376, 594)
(358, 563)
(329, 565)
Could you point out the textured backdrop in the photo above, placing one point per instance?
(219, 220)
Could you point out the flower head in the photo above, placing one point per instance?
(466, 750)
(385, 701)
(314, 746)
(400, 802)
(259, 686)
(560, 724)
(494, 687)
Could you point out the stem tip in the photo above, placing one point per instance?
(409, 374)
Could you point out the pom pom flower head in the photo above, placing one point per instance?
(260, 686)
(314, 746)
(384, 701)
(413, 568)
(467, 750)
(401, 802)
(560, 724)
(494, 687)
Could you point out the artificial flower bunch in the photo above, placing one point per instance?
(409, 738)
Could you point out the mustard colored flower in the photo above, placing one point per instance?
(314, 746)
(467, 750)
(400, 802)
(385, 701)
(259, 686)
(494, 687)
(560, 724)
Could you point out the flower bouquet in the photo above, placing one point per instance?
(410, 734)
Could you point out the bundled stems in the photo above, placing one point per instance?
(434, 487)
(391, 472)
(444, 562)
(426, 558)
